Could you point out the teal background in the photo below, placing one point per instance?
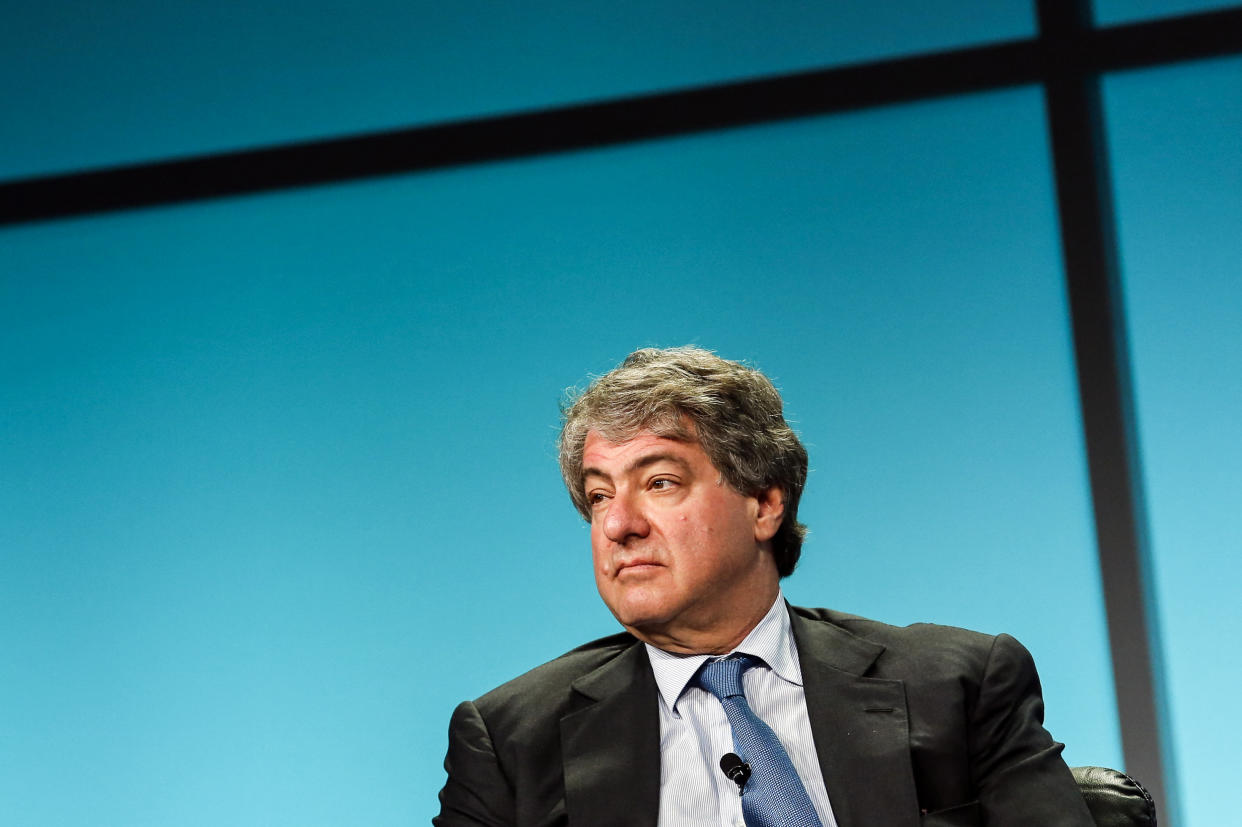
(1174, 135)
(1109, 12)
(92, 85)
(277, 473)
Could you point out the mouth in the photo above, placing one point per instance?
(638, 567)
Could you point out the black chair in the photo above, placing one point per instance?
(1114, 798)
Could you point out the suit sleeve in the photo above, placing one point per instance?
(477, 793)
(1021, 778)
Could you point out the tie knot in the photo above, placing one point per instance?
(723, 678)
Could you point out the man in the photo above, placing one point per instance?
(690, 477)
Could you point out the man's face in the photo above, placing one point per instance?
(680, 556)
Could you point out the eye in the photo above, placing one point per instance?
(662, 483)
(594, 498)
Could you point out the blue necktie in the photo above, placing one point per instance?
(774, 795)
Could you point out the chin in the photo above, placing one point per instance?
(644, 621)
(642, 605)
(631, 612)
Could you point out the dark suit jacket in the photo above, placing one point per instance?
(917, 725)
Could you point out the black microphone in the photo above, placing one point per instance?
(735, 769)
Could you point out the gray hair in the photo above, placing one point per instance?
(737, 419)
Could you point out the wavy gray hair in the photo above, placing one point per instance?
(736, 414)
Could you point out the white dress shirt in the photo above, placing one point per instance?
(695, 733)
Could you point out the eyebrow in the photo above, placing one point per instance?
(641, 462)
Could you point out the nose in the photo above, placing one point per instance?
(625, 519)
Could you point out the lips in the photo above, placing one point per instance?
(638, 566)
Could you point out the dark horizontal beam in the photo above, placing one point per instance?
(613, 122)
(515, 136)
(1159, 42)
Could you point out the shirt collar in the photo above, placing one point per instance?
(771, 640)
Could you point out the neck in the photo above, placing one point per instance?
(717, 636)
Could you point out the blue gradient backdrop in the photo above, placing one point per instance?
(277, 478)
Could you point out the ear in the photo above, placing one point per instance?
(770, 514)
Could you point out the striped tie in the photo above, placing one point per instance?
(774, 795)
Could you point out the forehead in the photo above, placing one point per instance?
(602, 456)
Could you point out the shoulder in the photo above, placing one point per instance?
(924, 648)
(548, 687)
(932, 634)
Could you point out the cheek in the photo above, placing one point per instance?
(599, 559)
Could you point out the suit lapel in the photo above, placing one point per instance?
(611, 745)
(860, 727)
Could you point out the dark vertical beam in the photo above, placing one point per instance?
(1089, 245)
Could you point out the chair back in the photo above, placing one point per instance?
(1114, 798)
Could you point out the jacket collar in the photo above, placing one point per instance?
(611, 745)
(860, 725)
